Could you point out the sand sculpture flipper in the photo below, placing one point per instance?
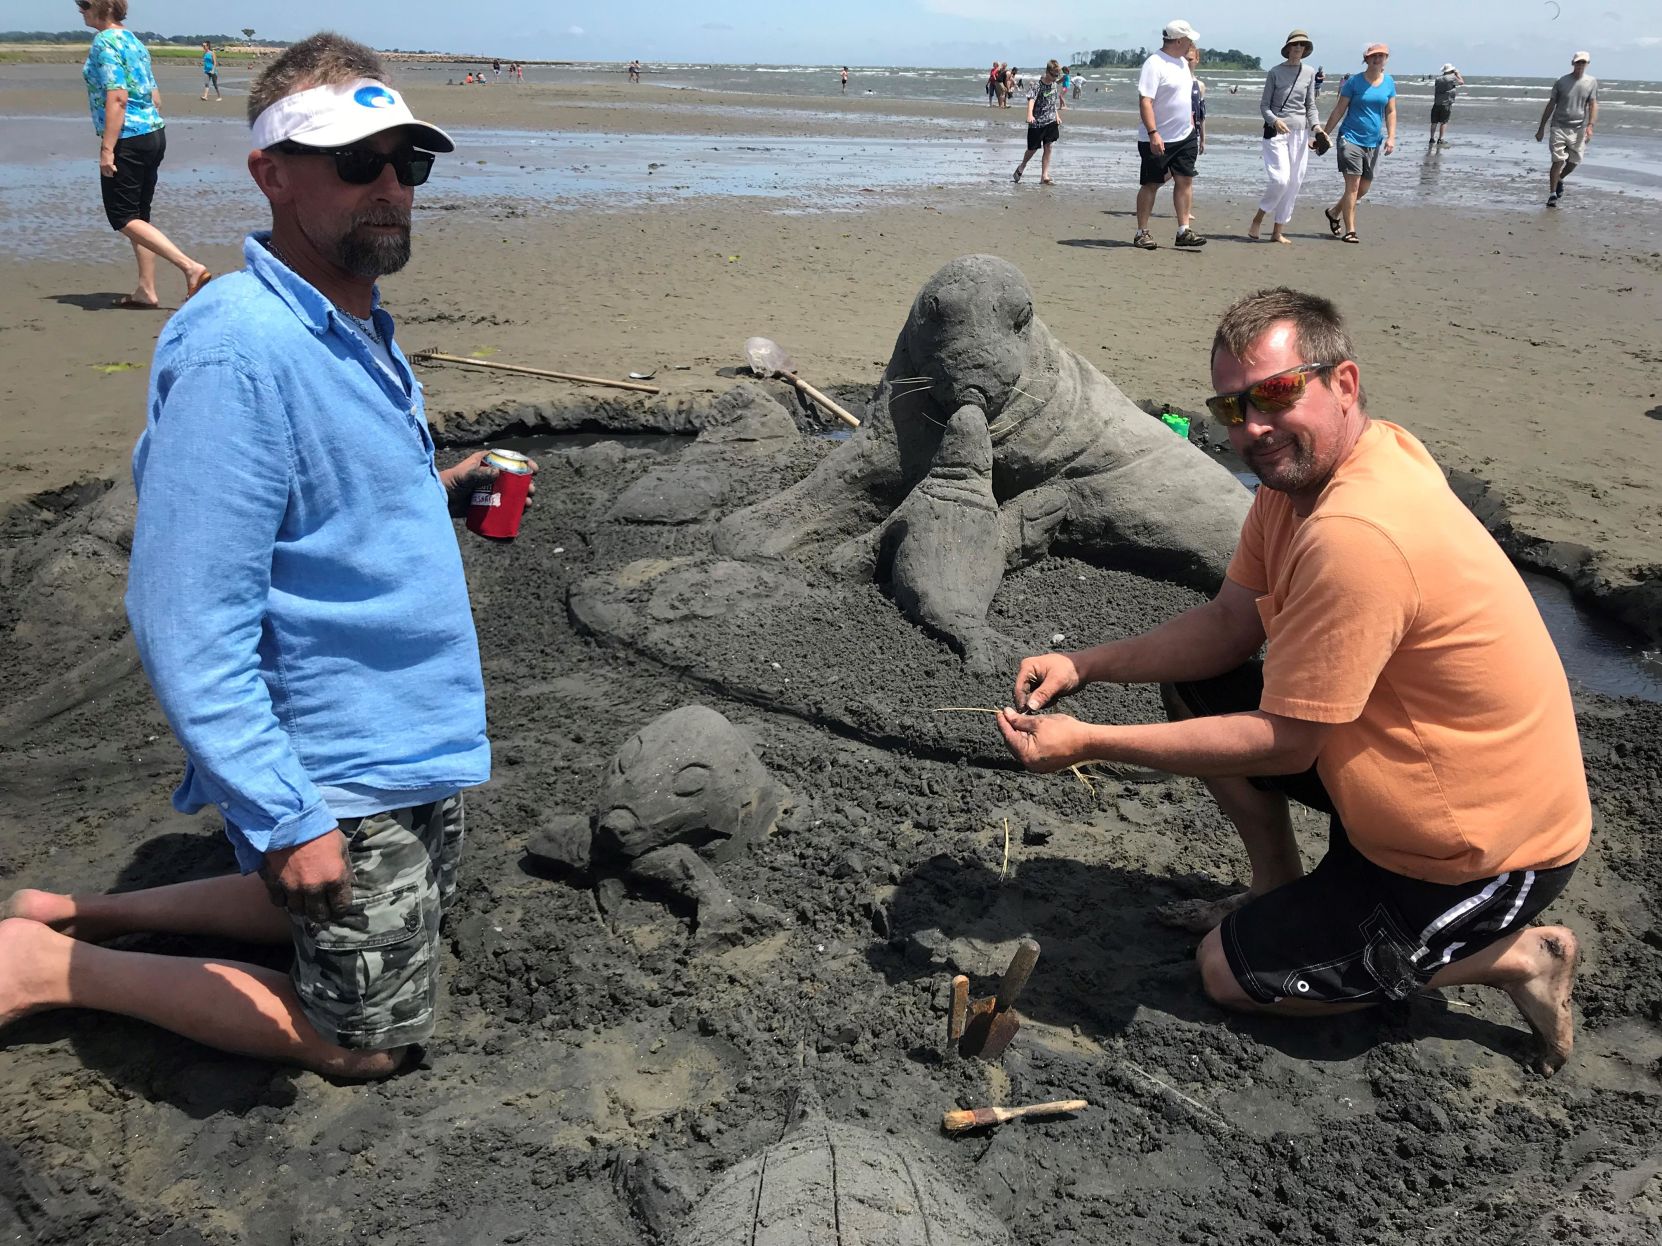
(1075, 467)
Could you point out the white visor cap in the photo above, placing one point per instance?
(335, 116)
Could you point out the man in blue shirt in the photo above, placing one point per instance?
(297, 595)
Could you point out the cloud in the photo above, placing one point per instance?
(574, 30)
(1649, 41)
(716, 26)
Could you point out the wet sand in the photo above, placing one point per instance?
(1519, 346)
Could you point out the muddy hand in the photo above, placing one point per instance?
(312, 880)
(1043, 744)
(1044, 680)
(474, 470)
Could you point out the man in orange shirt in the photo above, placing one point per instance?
(1408, 689)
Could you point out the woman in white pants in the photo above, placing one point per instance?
(1290, 119)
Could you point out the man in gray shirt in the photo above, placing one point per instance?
(1446, 87)
(1572, 110)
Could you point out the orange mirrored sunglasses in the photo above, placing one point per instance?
(1271, 395)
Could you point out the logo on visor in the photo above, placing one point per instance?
(374, 97)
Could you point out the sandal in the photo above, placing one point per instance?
(1350, 236)
(196, 285)
(1332, 221)
(128, 303)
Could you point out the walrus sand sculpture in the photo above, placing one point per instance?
(982, 407)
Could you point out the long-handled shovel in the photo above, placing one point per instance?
(768, 358)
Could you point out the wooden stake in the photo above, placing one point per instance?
(960, 1008)
(424, 356)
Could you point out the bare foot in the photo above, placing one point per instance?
(1544, 997)
(1252, 229)
(1200, 916)
(46, 907)
(24, 947)
(60, 912)
(1282, 239)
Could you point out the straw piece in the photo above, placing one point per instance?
(1199, 1107)
(1004, 870)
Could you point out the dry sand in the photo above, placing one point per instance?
(1516, 344)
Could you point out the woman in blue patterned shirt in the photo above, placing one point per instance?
(121, 90)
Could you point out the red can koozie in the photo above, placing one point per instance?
(495, 509)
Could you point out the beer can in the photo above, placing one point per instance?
(497, 505)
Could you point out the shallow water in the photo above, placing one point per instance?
(49, 208)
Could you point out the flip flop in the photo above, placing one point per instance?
(1332, 221)
(128, 303)
(1350, 237)
(198, 284)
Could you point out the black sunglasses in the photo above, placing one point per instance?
(83, 5)
(360, 166)
(1271, 395)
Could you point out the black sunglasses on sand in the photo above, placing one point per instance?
(360, 166)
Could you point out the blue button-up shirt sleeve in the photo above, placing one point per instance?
(214, 473)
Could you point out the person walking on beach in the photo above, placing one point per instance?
(992, 85)
(1364, 122)
(1444, 89)
(324, 681)
(1321, 78)
(1571, 109)
(126, 114)
(1288, 108)
(1408, 690)
(1197, 101)
(634, 71)
(210, 72)
(1166, 140)
(1045, 105)
(845, 79)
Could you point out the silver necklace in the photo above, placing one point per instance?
(365, 326)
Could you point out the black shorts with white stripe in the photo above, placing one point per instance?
(1351, 931)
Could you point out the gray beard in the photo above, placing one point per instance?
(374, 255)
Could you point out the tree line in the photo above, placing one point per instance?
(1219, 58)
(85, 36)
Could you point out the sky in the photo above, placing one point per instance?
(1512, 37)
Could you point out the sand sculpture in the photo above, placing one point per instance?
(988, 445)
(822, 1184)
(686, 784)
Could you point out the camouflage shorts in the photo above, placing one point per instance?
(370, 981)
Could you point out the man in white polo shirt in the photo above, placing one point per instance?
(1167, 139)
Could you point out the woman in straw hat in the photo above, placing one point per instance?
(1291, 123)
